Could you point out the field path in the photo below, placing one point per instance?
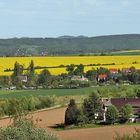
(56, 116)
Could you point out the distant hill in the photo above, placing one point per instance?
(68, 45)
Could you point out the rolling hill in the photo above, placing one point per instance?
(68, 45)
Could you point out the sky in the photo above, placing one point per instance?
(53, 18)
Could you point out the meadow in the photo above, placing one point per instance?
(119, 61)
(104, 91)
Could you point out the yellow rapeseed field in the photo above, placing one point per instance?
(120, 62)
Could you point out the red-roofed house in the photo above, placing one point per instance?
(113, 71)
(102, 77)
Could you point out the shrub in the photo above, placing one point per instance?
(127, 111)
(111, 114)
(25, 130)
(43, 102)
(20, 106)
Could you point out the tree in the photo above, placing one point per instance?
(111, 114)
(79, 70)
(102, 70)
(31, 68)
(70, 69)
(127, 111)
(43, 77)
(133, 77)
(72, 113)
(133, 69)
(18, 69)
(92, 106)
(91, 74)
(32, 79)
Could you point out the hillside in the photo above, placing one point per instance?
(68, 45)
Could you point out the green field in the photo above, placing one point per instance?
(41, 92)
(105, 91)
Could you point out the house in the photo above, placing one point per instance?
(113, 71)
(102, 78)
(126, 70)
(114, 74)
(79, 78)
(23, 78)
(120, 102)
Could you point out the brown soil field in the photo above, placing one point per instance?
(46, 119)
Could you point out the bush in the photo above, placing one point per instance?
(111, 114)
(25, 130)
(19, 107)
(44, 102)
(127, 111)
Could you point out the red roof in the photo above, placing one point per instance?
(113, 70)
(102, 76)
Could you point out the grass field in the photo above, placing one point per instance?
(57, 92)
(120, 62)
(111, 90)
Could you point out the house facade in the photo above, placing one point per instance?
(102, 78)
(79, 78)
(120, 102)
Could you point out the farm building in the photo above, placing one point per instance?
(78, 78)
(120, 102)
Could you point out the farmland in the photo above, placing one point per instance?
(56, 116)
(118, 62)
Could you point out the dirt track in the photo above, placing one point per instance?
(56, 116)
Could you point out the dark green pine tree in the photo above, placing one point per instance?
(92, 106)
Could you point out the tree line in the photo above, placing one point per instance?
(46, 80)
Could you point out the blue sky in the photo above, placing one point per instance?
(52, 18)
